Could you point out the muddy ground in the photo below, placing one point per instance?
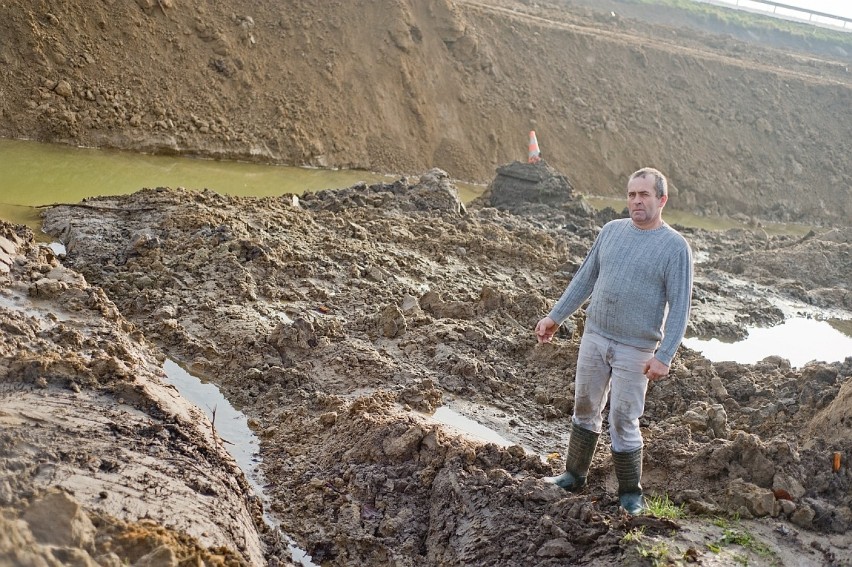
(339, 322)
(102, 463)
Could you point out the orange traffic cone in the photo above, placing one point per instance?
(535, 155)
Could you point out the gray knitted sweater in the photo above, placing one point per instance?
(639, 281)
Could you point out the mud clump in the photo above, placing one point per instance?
(536, 183)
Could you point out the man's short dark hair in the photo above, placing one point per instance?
(661, 184)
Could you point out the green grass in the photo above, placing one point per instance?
(738, 545)
(734, 535)
(659, 554)
(720, 523)
(734, 17)
(746, 540)
(634, 535)
(662, 507)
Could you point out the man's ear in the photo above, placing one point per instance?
(663, 200)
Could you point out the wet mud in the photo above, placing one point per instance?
(340, 321)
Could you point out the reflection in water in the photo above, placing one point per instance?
(446, 416)
(798, 340)
(17, 300)
(232, 426)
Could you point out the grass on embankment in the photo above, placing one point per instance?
(719, 15)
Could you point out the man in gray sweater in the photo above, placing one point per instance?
(639, 276)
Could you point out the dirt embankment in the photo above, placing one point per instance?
(100, 461)
(406, 86)
(341, 320)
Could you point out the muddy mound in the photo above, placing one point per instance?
(540, 192)
(101, 461)
(340, 322)
(433, 192)
(536, 183)
(815, 267)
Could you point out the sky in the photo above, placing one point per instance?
(837, 7)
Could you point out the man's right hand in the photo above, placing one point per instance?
(545, 329)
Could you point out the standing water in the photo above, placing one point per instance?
(451, 418)
(232, 426)
(37, 174)
(799, 340)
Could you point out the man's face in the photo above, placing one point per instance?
(645, 207)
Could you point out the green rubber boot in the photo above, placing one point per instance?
(628, 470)
(581, 449)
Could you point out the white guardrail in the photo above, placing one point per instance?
(787, 12)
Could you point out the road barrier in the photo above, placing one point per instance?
(772, 9)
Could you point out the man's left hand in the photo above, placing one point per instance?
(655, 370)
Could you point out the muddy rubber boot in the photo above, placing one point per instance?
(581, 449)
(628, 470)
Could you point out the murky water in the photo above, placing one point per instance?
(691, 220)
(468, 427)
(36, 174)
(231, 426)
(15, 300)
(799, 340)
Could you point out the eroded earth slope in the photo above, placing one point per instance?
(401, 86)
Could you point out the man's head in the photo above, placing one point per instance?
(647, 193)
(661, 184)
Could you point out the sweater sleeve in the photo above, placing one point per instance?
(580, 287)
(678, 297)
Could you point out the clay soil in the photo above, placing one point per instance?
(340, 321)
